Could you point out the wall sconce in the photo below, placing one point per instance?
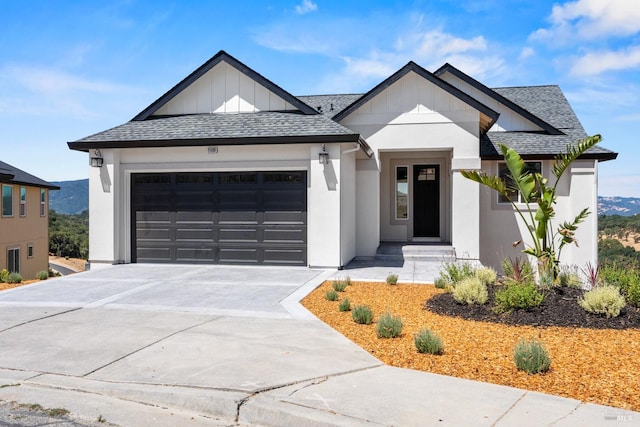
(323, 156)
(95, 159)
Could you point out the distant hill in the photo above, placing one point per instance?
(624, 206)
(72, 198)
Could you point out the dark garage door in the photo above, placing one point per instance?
(234, 217)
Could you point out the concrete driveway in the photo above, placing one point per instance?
(216, 345)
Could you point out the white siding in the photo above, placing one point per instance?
(224, 89)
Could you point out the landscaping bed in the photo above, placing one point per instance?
(595, 364)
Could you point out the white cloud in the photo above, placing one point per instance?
(48, 92)
(591, 19)
(599, 62)
(306, 6)
(527, 52)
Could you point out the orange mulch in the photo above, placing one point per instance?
(591, 365)
(4, 286)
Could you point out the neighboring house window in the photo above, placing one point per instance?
(43, 202)
(514, 195)
(13, 260)
(402, 192)
(7, 200)
(29, 250)
(23, 201)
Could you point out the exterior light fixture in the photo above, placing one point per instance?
(95, 159)
(324, 156)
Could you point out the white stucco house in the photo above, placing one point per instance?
(228, 167)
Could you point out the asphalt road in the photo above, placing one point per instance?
(61, 269)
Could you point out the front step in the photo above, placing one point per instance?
(403, 251)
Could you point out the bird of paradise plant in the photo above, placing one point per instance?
(539, 198)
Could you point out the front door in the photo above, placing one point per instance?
(426, 201)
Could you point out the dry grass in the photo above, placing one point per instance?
(599, 366)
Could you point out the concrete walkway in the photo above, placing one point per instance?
(141, 345)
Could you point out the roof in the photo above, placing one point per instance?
(200, 71)
(550, 104)
(12, 175)
(490, 116)
(219, 128)
(448, 68)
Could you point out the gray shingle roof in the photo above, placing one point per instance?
(550, 104)
(330, 104)
(201, 129)
(12, 175)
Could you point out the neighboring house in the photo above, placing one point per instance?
(228, 167)
(24, 223)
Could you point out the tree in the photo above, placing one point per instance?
(539, 197)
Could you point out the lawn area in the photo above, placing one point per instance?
(592, 365)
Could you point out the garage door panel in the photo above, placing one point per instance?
(190, 217)
(285, 256)
(291, 235)
(244, 217)
(194, 234)
(278, 217)
(238, 255)
(238, 235)
(195, 254)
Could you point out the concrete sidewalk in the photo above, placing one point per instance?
(142, 345)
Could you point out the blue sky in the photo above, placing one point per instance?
(69, 69)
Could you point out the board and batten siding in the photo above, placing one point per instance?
(224, 89)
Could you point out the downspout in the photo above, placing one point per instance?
(352, 150)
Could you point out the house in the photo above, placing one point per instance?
(228, 167)
(24, 223)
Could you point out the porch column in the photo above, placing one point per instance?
(465, 210)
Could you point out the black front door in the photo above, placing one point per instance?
(426, 201)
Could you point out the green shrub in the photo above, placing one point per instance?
(531, 357)
(3, 275)
(331, 295)
(14, 278)
(339, 285)
(604, 299)
(487, 275)
(362, 314)
(633, 291)
(470, 291)
(517, 296)
(456, 271)
(440, 283)
(345, 305)
(428, 342)
(42, 275)
(392, 279)
(388, 326)
(569, 279)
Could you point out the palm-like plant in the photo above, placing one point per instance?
(536, 190)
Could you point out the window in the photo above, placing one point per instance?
(43, 202)
(13, 260)
(7, 200)
(402, 192)
(23, 201)
(531, 167)
(29, 250)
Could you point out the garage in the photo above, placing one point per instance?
(219, 217)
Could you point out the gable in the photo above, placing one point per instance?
(513, 118)
(224, 89)
(413, 93)
(224, 85)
